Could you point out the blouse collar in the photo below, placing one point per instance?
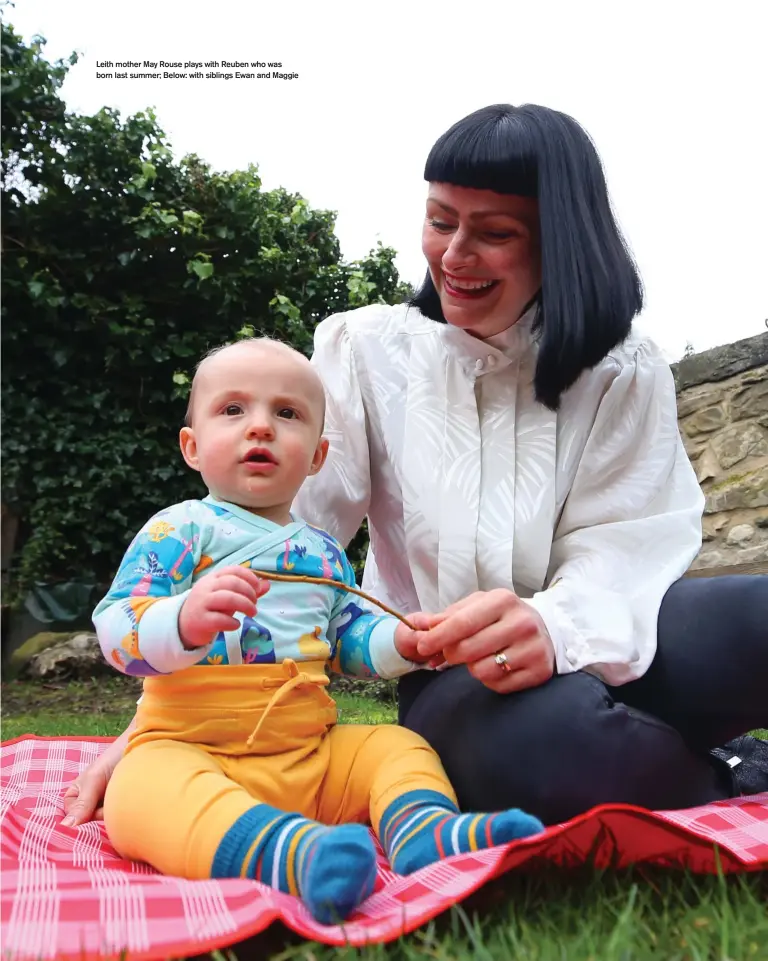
(515, 340)
(476, 355)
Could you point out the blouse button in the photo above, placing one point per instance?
(491, 361)
(479, 365)
(570, 656)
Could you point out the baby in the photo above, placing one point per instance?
(236, 767)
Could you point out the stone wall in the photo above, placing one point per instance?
(722, 398)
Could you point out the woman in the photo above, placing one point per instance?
(514, 445)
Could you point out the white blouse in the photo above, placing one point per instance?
(589, 514)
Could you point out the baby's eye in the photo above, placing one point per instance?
(439, 225)
(287, 412)
(232, 409)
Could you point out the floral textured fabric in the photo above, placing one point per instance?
(137, 621)
(589, 513)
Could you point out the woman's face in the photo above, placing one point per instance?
(483, 254)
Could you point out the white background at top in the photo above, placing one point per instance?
(675, 96)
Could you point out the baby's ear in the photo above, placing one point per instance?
(321, 452)
(188, 446)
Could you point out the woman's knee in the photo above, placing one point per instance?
(455, 706)
(556, 750)
(512, 750)
(710, 673)
(720, 610)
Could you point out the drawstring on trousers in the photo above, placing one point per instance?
(295, 678)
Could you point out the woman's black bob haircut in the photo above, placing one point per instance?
(590, 288)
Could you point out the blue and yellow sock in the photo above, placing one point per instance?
(421, 827)
(332, 869)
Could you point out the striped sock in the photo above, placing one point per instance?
(422, 827)
(331, 869)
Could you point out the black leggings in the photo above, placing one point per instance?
(559, 749)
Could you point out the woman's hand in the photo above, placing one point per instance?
(502, 640)
(84, 797)
(407, 640)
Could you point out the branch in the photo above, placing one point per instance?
(306, 579)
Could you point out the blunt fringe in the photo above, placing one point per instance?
(591, 289)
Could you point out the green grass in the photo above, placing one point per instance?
(583, 915)
(353, 709)
(545, 915)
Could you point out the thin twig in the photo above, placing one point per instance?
(307, 579)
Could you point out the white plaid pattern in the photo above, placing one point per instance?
(67, 895)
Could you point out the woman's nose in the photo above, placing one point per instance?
(459, 252)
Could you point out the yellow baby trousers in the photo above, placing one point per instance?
(212, 742)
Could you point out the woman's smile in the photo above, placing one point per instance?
(466, 289)
(484, 256)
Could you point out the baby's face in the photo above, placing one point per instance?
(257, 421)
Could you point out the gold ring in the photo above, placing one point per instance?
(501, 660)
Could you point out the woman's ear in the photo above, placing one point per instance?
(188, 446)
(321, 452)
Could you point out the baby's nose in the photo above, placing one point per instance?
(260, 427)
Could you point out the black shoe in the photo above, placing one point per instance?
(747, 757)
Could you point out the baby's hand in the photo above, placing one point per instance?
(406, 639)
(212, 603)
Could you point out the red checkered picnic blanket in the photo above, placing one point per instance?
(67, 895)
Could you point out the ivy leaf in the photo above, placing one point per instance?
(203, 269)
(192, 219)
(114, 196)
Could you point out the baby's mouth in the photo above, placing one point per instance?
(260, 455)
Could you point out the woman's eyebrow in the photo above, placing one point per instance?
(476, 214)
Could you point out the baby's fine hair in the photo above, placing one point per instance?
(217, 350)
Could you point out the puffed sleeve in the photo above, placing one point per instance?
(336, 499)
(630, 527)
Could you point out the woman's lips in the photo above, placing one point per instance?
(461, 293)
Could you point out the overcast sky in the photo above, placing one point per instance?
(674, 94)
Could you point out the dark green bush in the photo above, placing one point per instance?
(122, 266)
